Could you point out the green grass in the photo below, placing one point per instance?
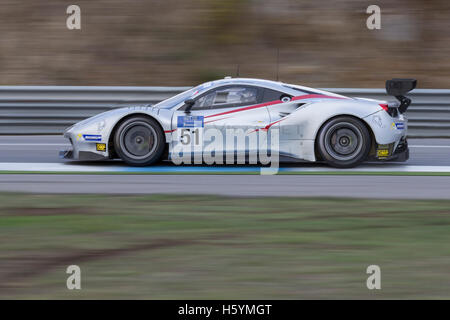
(210, 247)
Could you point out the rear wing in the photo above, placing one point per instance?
(398, 88)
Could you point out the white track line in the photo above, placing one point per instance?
(62, 167)
(429, 146)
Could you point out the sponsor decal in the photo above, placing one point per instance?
(190, 122)
(382, 153)
(189, 133)
(400, 125)
(92, 137)
(101, 147)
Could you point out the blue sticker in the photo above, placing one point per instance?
(400, 125)
(190, 122)
(92, 137)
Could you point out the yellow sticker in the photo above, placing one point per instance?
(101, 147)
(382, 153)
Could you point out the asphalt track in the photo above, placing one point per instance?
(44, 149)
(33, 150)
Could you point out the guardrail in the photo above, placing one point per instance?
(51, 109)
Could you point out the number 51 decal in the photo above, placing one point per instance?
(191, 136)
(190, 132)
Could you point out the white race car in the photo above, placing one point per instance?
(313, 125)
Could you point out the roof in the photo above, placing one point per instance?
(276, 85)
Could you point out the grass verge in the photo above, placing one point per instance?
(210, 247)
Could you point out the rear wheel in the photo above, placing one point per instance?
(344, 142)
(139, 141)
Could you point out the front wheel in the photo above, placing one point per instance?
(343, 142)
(139, 141)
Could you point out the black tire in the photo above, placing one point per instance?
(343, 142)
(139, 141)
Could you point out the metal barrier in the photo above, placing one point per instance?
(49, 110)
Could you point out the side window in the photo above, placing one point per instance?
(227, 97)
(273, 95)
(204, 102)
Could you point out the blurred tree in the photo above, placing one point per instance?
(170, 42)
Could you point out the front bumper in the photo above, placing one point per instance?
(66, 154)
(83, 149)
(82, 155)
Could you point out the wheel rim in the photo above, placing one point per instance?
(138, 140)
(343, 141)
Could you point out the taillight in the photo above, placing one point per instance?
(391, 111)
(384, 106)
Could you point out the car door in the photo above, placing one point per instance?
(230, 109)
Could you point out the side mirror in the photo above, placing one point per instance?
(189, 104)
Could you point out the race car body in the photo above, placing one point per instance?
(313, 125)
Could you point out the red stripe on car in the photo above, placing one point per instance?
(266, 104)
(316, 96)
(306, 96)
(268, 126)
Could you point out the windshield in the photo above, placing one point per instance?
(181, 97)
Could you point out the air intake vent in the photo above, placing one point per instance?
(285, 113)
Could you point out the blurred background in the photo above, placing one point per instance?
(216, 247)
(170, 42)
